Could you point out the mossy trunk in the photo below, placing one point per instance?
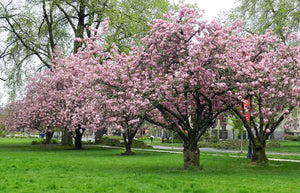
(259, 151)
(191, 155)
(49, 135)
(66, 139)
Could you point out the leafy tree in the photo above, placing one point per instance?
(260, 15)
(33, 30)
(3, 118)
(236, 124)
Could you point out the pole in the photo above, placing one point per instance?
(249, 154)
(242, 141)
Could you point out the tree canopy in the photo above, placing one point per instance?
(33, 30)
(260, 15)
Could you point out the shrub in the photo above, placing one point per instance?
(116, 142)
(207, 144)
(273, 144)
(298, 137)
(213, 138)
(173, 141)
(232, 144)
(35, 142)
(89, 142)
(3, 133)
(111, 142)
(140, 144)
(38, 142)
(290, 138)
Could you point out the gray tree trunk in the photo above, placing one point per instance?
(66, 138)
(191, 155)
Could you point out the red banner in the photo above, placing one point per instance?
(245, 109)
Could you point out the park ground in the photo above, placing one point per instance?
(52, 168)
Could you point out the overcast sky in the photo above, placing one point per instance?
(212, 7)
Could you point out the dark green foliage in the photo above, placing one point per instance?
(140, 144)
(291, 138)
(88, 142)
(232, 144)
(3, 133)
(44, 141)
(118, 142)
(273, 144)
(111, 142)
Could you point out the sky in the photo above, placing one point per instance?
(211, 7)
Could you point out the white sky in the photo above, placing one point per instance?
(212, 9)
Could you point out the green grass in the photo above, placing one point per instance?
(26, 168)
(287, 146)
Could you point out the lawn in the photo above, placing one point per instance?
(26, 168)
(287, 146)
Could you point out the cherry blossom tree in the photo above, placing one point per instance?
(124, 109)
(264, 70)
(179, 74)
(101, 78)
(191, 71)
(54, 99)
(30, 113)
(87, 91)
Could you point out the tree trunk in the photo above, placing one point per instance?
(191, 155)
(78, 137)
(128, 137)
(99, 134)
(128, 149)
(66, 139)
(79, 31)
(49, 135)
(259, 151)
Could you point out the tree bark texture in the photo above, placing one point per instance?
(66, 139)
(259, 151)
(128, 138)
(49, 135)
(191, 154)
(78, 137)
